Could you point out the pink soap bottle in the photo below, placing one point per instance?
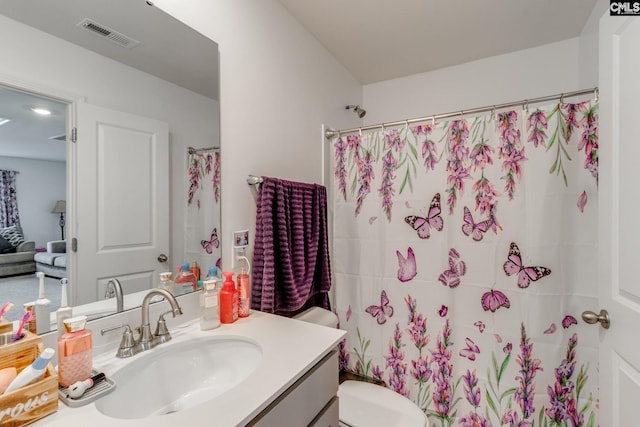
(185, 280)
(75, 355)
(229, 300)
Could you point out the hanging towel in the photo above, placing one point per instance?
(291, 253)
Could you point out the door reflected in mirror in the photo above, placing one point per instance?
(133, 192)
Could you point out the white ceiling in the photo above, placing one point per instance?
(168, 49)
(379, 40)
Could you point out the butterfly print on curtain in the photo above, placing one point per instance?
(382, 311)
(457, 269)
(514, 265)
(473, 229)
(422, 225)
(406, 266)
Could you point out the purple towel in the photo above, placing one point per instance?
(291, 268)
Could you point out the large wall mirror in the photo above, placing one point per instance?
(141, 182)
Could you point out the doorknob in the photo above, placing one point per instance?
(163, 258)
(590, 317)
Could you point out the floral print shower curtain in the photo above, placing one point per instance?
(202, 243)
(464, 252)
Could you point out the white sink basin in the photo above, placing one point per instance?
(173, 377)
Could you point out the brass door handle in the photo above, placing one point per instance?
(603, 318)
(163, 258)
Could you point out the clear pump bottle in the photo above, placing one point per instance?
(244, 286)
(209, 305)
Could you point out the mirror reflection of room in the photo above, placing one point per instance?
(93, 76)
(32, 197)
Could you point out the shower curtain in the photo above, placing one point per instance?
(464, 253)
(203, 220)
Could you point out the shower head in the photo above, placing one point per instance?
(361, 112)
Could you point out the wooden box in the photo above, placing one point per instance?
(30, 403)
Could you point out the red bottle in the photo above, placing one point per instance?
(229, 300)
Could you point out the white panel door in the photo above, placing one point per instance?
(619, 233)
(122, 208)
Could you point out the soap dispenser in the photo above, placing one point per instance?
(75, 355)
(185, 280)
(229, 300)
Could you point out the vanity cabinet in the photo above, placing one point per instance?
(310, 401)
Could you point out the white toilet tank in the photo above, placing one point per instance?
(318, 316)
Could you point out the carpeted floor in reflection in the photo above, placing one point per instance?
(24, 288)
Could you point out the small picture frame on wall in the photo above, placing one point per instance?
(240, 239)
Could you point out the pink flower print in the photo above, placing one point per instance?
(365, 176)
(417, 324)
(570, 117)
(474, 420)
(343, 356)
(377, 373)
(525, 391)
(429, 150)
(341, 168)
(394, 141)
(582, 201)
(536, 127)
(512, 418)
(589, 141)
(386, 190)
(511, 152)
(216, 176)
(458, 162)
(485, 195)
(471, 391)
(442, 376)
(562, 396)
(507, 348)
(420, 370)
(395, 361)
(481, 155)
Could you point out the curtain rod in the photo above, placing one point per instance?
(192, 150)
(330, 133)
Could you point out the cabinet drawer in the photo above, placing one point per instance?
(329, 416)
(304, 400)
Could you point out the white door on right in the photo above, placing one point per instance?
(619, 222)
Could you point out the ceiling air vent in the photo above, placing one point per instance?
(108, 33)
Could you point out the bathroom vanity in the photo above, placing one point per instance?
(294, 378)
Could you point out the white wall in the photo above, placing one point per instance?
(278, 86)
(547, 70)
(39, 184)
(39, 61)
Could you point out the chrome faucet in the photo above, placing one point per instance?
(114, 287)
(147, 340)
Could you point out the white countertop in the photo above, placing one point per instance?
(289, 347)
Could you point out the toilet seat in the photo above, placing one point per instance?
(363, 404)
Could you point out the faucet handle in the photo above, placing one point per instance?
(162, 332)
(128, 342)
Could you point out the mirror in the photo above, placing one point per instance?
(170, 75)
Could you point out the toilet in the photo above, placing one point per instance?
(362, 404)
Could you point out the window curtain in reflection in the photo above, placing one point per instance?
(203, 220)
(9, 214)
(464, 252)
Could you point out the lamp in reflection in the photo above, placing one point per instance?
(60, 208)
